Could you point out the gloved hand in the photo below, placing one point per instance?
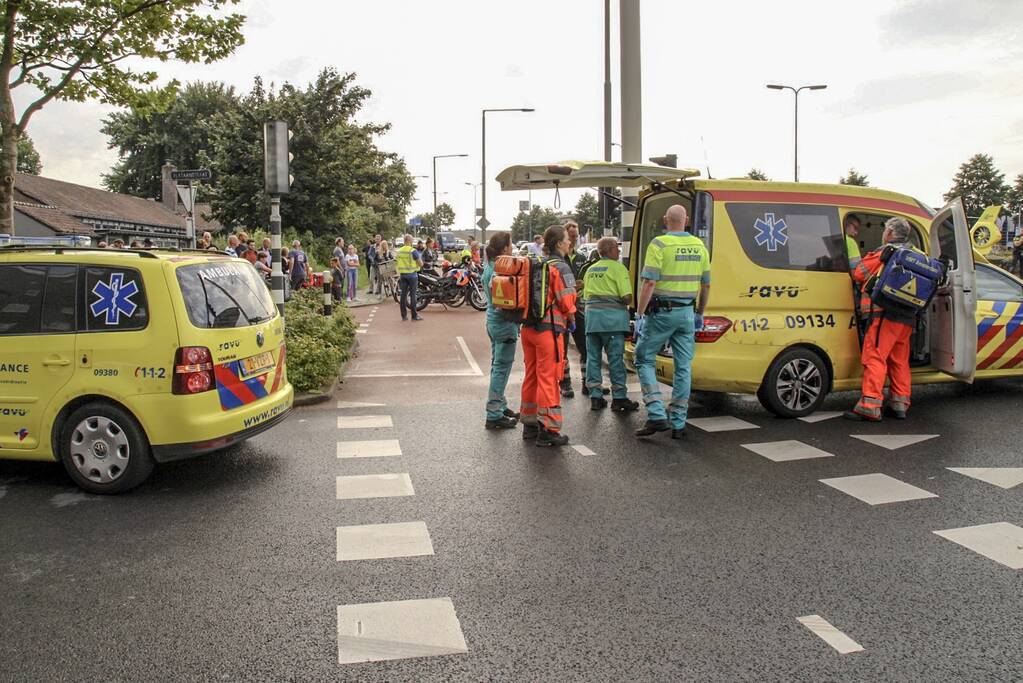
(571, 325)
(697, 321)
(638, 327)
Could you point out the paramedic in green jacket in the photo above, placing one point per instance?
(608, 295)
(504, 336)
(672, 297)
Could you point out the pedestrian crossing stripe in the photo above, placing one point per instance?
(1000, 337)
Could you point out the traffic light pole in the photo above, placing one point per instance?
(276, 271)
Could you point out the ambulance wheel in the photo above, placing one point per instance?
(796, 384)
(104, 449)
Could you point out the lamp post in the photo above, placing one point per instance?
(796, 91)
(439, 156)
(483, 175)
(473, 186)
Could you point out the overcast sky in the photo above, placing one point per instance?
(914, 87)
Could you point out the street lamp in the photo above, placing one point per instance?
(483, 176)
(473, 186)
(796, 91)
(439, 156)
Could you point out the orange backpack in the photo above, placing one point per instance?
(509, 289)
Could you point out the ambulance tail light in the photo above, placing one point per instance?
(193, 370)
(714, 327)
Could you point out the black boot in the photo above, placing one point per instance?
(508, 412)
(501, 423)
(566, 388)
(530, 431)
(678, 434)
(598, 403)
(651, 427)
(551, 439)
(624, 405)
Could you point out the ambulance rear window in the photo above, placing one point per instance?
(219, 295)
(790, 236)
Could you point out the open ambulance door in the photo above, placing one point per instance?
(952, 314)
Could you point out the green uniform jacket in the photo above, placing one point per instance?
(604, 289)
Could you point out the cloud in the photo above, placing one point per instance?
(513, 71)
(927, 21)
(899, 91)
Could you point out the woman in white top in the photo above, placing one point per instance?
(352, 272)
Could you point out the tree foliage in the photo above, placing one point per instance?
(587, 214)
(28, 158)
(756, 174)
(853, 177)
(980, 185)
(336, 163)
(145, 139)
(527, 224)
(1014, 197)
(445, 216)
(76, 51)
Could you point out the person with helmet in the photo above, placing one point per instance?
(504, 335)
(672, 298)
(885, 353)
(409, 263)
(608, 295)
(542, 344)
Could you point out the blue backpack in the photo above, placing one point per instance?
(908, 281)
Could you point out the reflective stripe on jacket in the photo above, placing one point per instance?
(679, 264)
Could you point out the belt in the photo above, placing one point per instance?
(668, 304)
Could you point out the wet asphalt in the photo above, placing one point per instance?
(649, 560)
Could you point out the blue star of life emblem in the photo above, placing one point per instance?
(114, 299)
(771, 232)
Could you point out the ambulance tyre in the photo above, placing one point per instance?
(104, 449)
(796, 383)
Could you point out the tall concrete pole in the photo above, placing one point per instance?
(632, 106)
(605, 214)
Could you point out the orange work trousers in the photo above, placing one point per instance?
(541, 396)
(885, 355)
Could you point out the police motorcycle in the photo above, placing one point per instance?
(451, 286)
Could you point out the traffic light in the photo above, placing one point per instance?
(277, 157)
(670, 160)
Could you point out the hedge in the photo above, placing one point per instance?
(317, 345)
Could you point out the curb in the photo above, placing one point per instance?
(368, 302)
(312, 398)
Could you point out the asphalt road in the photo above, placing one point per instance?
(643, 561)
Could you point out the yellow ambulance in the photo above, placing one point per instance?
(781, 322)
(111, 360)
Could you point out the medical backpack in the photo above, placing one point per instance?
(519, 287)
(908, 281)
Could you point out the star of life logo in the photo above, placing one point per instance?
(771, 232)
(114, 299)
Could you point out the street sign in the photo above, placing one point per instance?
(524, 205)
(479, 213)
(187, 194)
(415, 222)
(483, 223)
(192, 174)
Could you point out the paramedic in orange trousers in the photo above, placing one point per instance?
(886, 342)
(542, 345)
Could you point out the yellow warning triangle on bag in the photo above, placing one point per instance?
(909, 287)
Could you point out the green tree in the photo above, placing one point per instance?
(28, 158)
(145, 139)
(980, 185)
(532, 223)
(445, 216)
(1014, 198)
(854, 178)
(336, 160)
(587, 214)
(756, 174)
(76, 51)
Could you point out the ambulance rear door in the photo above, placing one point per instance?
(952, 314)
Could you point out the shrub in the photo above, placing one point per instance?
(317, 345)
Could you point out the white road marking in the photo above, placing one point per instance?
(364, 421)
(1005, 477)
(820, 416)
(582, 450)
(1001, 541)
(360, 331)
(374, 486)
(380, 541)
(721, 424)
(819, 626)
(894, 441)
(363, 325)
(357, 404)
(468, 356)
(877, 489)
(381, 631)
(381, 448)
(456, 373)
(783, 451)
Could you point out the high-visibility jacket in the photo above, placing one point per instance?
(679, 264)
(407, 260)
(852, 250)
(863, 275)
(557, 292)
(605, 288)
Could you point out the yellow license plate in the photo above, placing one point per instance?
(258, 364)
